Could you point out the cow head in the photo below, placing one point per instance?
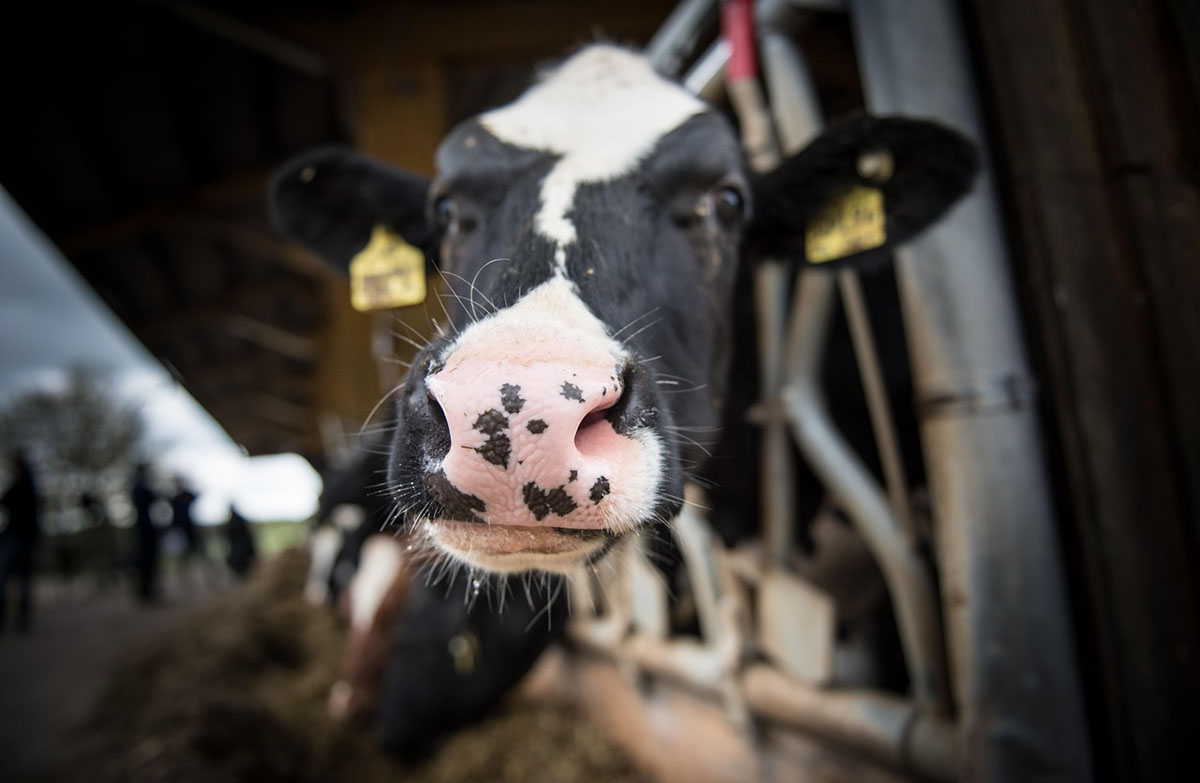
(590, 232)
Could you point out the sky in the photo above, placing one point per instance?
(51, 319)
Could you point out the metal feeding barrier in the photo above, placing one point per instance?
(993, 692)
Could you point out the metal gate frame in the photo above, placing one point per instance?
(995, 696)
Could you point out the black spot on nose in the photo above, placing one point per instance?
(510, 396)
(491, 422)
(600, 490)
(536, 426)
(571, 391)
(453, 503)
(544, 502)
(498, 448)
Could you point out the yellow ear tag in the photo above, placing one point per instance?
(852, 223)
(387, 273)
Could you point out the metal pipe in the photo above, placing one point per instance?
(798, 119)
(777, 482)
(882, 725)
(1011, 645)
(794, 102)
(827, 452)
(856, 493)
(886, 727)
(878, 407)
(707, 77)
(679, 35)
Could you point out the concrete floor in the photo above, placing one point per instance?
(50, 677)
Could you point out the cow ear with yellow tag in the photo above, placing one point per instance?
(864, 186)
(387, 273)
(365, 218)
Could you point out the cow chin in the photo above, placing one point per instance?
(508, 549)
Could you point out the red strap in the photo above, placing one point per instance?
(737, 28)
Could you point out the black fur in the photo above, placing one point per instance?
(429, 690)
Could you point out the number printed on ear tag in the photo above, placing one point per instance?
(852, 223)
(387, 273)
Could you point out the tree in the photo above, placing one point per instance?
(82, 437)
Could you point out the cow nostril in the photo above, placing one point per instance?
(437, 414)
(591, 429)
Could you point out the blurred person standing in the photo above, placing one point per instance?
(181, 518)
(146, 541)
(19, 540)
(195, 568)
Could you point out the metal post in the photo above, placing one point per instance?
(1011, 646)
(828, 454)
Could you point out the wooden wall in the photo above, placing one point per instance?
(1095, 110)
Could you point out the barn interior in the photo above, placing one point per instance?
(140, 137)
(148, 131)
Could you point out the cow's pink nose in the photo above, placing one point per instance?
(531, 440)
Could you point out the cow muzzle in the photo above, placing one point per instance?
(547, 462)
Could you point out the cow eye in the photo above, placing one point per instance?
(444, 212)
(730, 205)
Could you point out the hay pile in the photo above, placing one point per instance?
(239, 695)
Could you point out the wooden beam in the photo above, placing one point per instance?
(1106, 203)
(246, 301)
(195, 224)
(240, 189)
(252, 364)
(269, 336)
(430, 31)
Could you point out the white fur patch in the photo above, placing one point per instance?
(377, 571)
(603, 110)
(322, 548)
(535, 327)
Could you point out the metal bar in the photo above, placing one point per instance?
(887, 728)
(827, 452)
(798, 119)
(1011, 644)
(879, 724)
(679, 35)
(778, 468)
(856, 493)
(878, 407)
(707, 77)
(794, 102)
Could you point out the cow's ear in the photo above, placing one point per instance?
(331, 200)
(862, 187)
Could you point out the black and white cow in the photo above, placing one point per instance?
(592, 230)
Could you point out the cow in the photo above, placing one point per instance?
(591, 232)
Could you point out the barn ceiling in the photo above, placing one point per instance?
(139, 143)
(139, 137)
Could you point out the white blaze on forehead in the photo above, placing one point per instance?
(603, 110)
(549, 324)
